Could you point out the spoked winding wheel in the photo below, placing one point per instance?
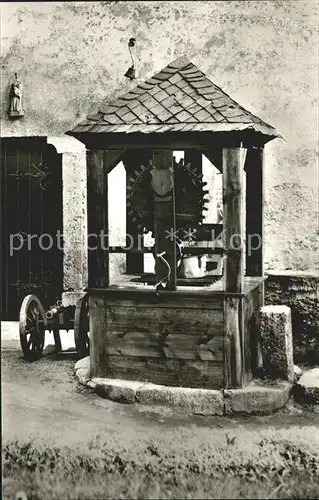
(32, 327)
(81, 327)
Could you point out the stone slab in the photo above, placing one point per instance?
(197, 401)
(257, 398)
(276, 342)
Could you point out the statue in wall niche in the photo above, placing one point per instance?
(16, 94)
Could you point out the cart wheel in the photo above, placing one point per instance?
(81, 327)
(56, 334)
(32, 327)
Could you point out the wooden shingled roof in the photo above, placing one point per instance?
(180, 98)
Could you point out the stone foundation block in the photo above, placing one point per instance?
(196, 401)
(276, 342)
(121, 391)
(257, 398)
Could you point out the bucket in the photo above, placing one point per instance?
(193, 266)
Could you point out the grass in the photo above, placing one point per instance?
(230, 467)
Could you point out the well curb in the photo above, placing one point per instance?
(258, 397)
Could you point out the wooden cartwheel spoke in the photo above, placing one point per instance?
(32, 327)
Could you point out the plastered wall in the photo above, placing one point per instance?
(71, 57)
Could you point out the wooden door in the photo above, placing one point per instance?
(32, 239)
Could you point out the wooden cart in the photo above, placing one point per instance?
(34, 322)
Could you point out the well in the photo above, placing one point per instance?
(167, 327)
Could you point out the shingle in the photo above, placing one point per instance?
(194, 108)
(168, 102)
(119, 102)
(202, 115)
(176, 108)
(218, 116)
(162, 75)
(183, 115)
(201, 84)
(144, 86)
(202, 101)
(113, 119)
(164, 115)
(152, 81)
(175, 78)
(130, 117)
(161, 95)
(108, 108)
(95, 117)
(181, 84)
(158, 109)
(155, 90)
(144, 97)
(141, 111)
(165, 84)
(172, 89)
(133, 104)
(150, 102)
(122, 111)
(128, 96)
(187, 101)
(191, 72)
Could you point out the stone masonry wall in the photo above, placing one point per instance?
(71, 57)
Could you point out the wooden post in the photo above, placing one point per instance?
(233, 218)
(254, 167)
(254, 212)
(164, 216)
(233, 268)
(98, 165)
(132, 160)
(98, 262)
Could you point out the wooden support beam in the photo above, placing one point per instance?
(98, 336)
(113, 158)
(233, 321)
(164, 218)
(233, 218)
(215, 156)
(233, 161)
(98, 258)
(254, 211)
(132, 160)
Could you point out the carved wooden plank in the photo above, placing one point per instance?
(164, 321)
(172, 372)
(98, 338)
(98, 268)
(233, 218)
(211, 302)
(254, 211)
(176, 346)
(164, 216)
(232, 342)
